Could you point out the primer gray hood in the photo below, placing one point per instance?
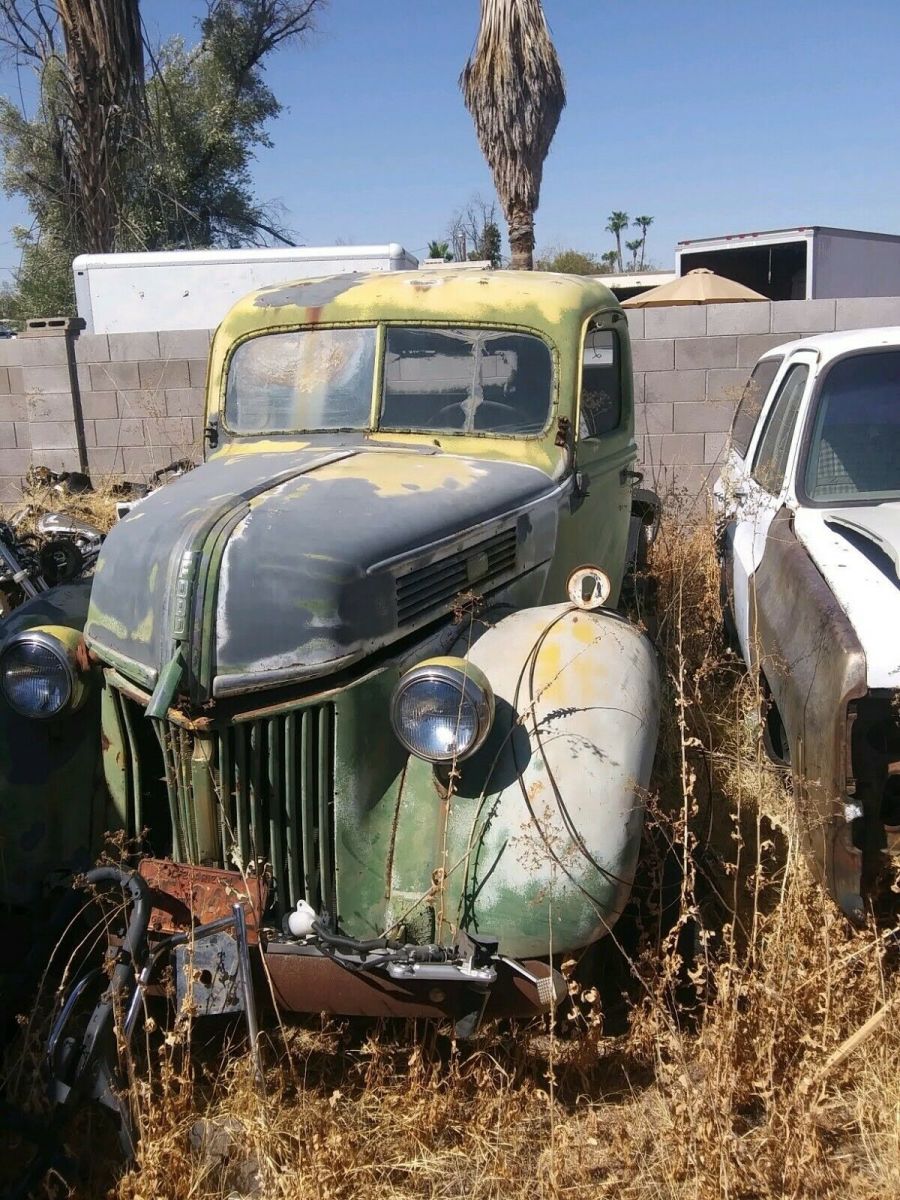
(275, 566)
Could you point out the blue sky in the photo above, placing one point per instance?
(712, 117)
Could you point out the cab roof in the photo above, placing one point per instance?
(557, 304)
(833, 345)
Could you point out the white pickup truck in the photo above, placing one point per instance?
(809, 511)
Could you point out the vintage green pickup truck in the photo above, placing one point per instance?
(361, 671)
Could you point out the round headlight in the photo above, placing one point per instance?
(36, 675)
(442, 710)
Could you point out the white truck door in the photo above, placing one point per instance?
(763, 489)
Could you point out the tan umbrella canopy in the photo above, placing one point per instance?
(700, 286)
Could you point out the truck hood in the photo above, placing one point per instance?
(276, 566)
(857, 550)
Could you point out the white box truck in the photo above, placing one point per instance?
(193, 289)
(808, 263)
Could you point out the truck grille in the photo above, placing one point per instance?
(432, 586)
(257, 795)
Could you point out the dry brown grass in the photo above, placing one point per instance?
(719, 1078)
(98, 507)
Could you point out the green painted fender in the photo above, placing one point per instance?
(538, 840)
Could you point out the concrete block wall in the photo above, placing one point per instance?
(142, 394)
(691, 364)
(141, 399)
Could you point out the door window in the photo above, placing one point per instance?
(751, 402)
(601, 391)
(775, 444)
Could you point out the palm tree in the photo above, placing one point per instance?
(634, 247)
(514, 90)
(439, 250)
(617, 222)
(609, 261)
(643, 223)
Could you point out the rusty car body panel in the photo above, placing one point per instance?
(814, 667)
(251, 622)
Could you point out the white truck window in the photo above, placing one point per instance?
(751, 402)
(854, 452)
(775, 444)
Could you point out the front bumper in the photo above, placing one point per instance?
(464, 985)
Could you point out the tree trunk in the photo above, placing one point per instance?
(520, 222)
(104, 57)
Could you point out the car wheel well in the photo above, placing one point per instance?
(775, 736)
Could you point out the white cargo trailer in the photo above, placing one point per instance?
(808, 263)
(193, 289)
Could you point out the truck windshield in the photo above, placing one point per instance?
(854, 452)
(466, 381)
(304, 380)
(435, 380)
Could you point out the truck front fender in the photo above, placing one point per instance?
(537, 840)
(804, 644)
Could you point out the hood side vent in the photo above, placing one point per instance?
(432, 586)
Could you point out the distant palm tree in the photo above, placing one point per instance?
(439, 250)
(513, 87)
(609, 260)
(643, 223)
(617, 222)
(634, 247)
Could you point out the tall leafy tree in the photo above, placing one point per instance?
(513, 87)
(617, 224)
(161, 159)
(633, 247)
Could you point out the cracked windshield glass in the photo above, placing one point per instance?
(304, 380)
(447, 380)
(465, 381)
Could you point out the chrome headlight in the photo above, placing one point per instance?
(442, 709)
(37, 675)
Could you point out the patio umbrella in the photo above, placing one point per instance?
(700, 286)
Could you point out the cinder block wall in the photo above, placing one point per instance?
(691, 364)
(141, 398)
(142, 393)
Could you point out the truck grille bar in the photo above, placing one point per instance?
(256, 794)
(438, 583)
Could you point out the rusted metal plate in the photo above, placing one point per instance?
(185, 896)
(306, 983)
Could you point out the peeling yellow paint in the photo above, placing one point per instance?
(399, 474)
(259, 446)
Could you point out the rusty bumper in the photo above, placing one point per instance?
(301, 978)
(307, 983)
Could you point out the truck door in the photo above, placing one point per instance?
(595, 530)
(764, 489)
